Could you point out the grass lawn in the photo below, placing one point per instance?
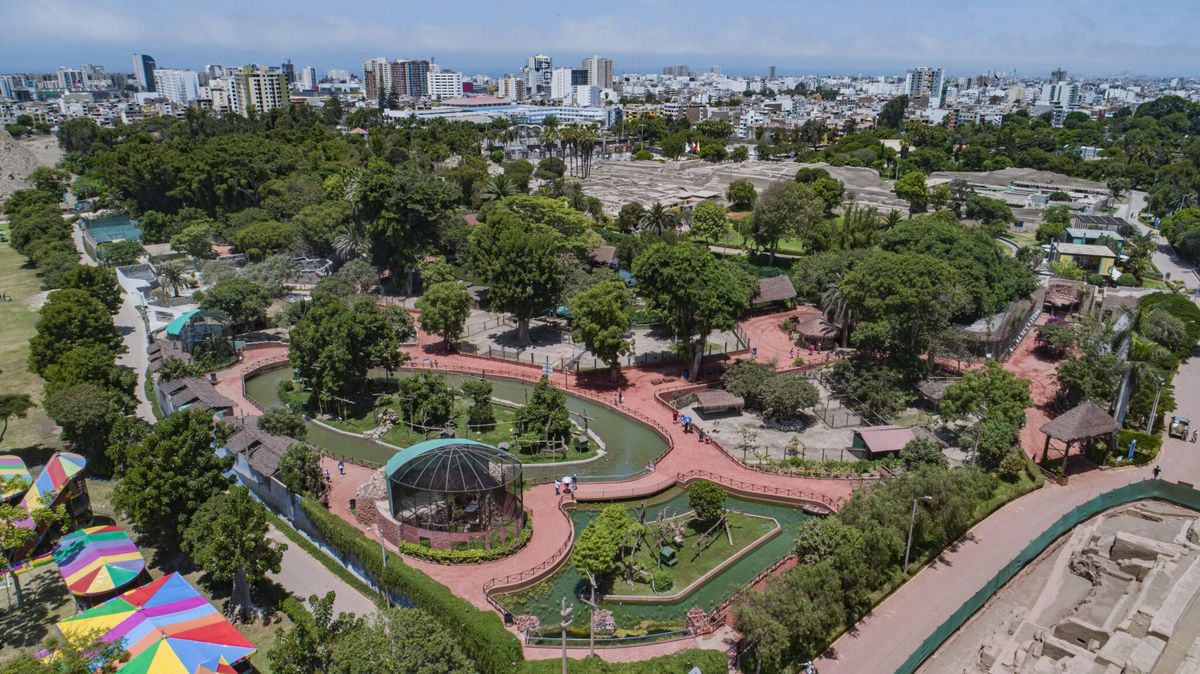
(692, 561)
(35, 437)
(1026, 236)
(401, 435)
(47, 599)
(788, 245)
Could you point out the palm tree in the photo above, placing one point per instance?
(893, 218)
(659, 220)
(170, 275)
(838, 310)
(350, 242)
(498, 187)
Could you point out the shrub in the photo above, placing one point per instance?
(922, 451)
(662, 580)
(784, 396)
(707, 499)
(747, 379)
(1180, 307)
(642, 155)
(1012, 466)
(1127, 280)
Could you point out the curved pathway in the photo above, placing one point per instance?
(881, 641)
(552, 532)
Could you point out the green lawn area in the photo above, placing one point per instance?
(1026, 236)
(693, 561)
(788, 245)
(47, 599)
(35, 437)
(401, 435)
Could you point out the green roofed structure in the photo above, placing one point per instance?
(452, 492)
(196, 327)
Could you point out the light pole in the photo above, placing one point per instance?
(911, 521)
(1154, 407)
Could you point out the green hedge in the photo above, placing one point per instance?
(470, 556)
(1179, 306)
(481, 634)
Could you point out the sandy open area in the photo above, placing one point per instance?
(18, 158)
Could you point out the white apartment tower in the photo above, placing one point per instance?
(599, 72)
(538, 71)
(444, 84)
(927, 82)
(176, 85)
(260, 89)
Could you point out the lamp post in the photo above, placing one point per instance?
(1154, 407)
(565, 613)
(912, 520)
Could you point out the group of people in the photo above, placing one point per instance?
(619, 398)
(689, 426)
(812, 349)
(567, 485)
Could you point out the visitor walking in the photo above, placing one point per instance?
(1157, 471)
(557, 487)
(341, 467)
(574, 484)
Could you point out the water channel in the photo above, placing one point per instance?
(630, 445)
(543, 600)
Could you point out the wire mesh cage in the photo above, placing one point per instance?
(458, 487)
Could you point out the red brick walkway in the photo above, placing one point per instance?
(551, 529)
(772, 343)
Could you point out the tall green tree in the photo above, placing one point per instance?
(13, 405)
(741, 194)
(228, 538)
(709, 221)
(520, 266)
(169, 475)
(99, 282)
(444, 308)
(244, 301)
(399, 641)
(307, 648)
(334, 346)
(15, 534)
(300, 470)
(785, 209)
(693, 292)
(599, 319)
(912, 188)
(71, 318)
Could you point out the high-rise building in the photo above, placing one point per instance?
(925, 82)
(337, 75)
(289, 71)
(377, 78)
(444, 84)
(511, 87)
(410, 78)
(677, 71)
(259, 89)
(563, 79)
(308, 78)
(771, 72)
(1057, 75)
(179, 86)
(599, 72)
(143, 71)
(537, 71)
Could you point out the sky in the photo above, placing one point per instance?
(840, 37)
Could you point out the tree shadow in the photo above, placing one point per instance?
(33, 455)
(44, 594)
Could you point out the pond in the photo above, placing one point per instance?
(543, 600)
(629, 444)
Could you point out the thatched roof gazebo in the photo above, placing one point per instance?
(712, 401)
(1081, 423)
(815, 327)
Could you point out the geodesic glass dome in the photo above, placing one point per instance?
(455, 485)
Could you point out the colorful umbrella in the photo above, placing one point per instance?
(167, 627)
(59, 471)
(10, 467)
(97, 560)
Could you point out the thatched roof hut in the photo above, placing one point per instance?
(1082, 422)
(814, 326)
(717, 400)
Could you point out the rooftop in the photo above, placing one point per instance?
(774, 289)
(1088, 249)
(886, 438)
(1081, 422)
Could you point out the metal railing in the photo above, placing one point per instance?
(800, 495)
(523, 579)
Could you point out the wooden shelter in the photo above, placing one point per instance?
(712, 401)
(774, 289)
(813, 327)
(1081, 423)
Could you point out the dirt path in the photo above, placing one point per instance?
(18, 158)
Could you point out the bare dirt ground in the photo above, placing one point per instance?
(18, 158)
(1051, 589)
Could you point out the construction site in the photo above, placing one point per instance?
(1114, 596)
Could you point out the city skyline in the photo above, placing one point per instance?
(865, 37)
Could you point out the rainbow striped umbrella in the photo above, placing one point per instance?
(10, 467)
(97, 560)
(58, 473)
(167, 627)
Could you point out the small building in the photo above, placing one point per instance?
(603, 256)
(188, 393)
(1104, 222)
(197, 327)
(876, 441)
(452, 492)
(1102, 237)
(774, 290)
(717, 401)
(1090, 258)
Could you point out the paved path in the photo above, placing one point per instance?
(303, 575)
(552, 529)
(772, 343)
(133, 328)
(881, 642)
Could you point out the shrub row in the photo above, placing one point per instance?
(1144, 452)
(481, 634)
